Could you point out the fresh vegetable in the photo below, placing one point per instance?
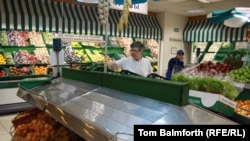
(208, 84)
(241, 75)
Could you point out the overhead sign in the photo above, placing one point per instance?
(141, 8)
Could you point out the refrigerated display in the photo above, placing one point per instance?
(96, 109)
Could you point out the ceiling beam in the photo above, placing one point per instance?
(197, 18)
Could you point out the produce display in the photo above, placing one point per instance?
(125, 43)
(208, 84)
(3, 38)
(226, 45)
(75, 44)
(18, 38)
(243, 107)
(20, 70)
(241, 75)
(75, 56)
(210, 69)
(36, 39)
(95, 55)
(9, 57)
(2, 59)
(153, 46)
(92, 44)
(40, 69)
(41, 127)
(3, 72)
(113, 42)
(48, 38)
(82, 54)
(24, 57)
(213, 68)
(42, 55)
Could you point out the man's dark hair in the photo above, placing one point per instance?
(137, 44)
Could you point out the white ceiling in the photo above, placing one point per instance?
(181, 7)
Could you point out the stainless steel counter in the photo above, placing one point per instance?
(99, 114)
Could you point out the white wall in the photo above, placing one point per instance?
(168, 22)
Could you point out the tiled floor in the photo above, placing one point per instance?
(7, 96)
(5, 126)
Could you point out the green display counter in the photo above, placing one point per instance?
(8, 84)
(176, 93)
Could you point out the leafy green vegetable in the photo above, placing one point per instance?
(208, 84)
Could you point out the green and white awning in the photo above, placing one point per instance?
(139, 26)
(47, 15)
(205, 31)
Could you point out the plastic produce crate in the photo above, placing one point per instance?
(243, 117)
(4, 75)
(20, 71)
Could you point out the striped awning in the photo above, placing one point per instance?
(47, 15)
(139, 26)
(205, 31)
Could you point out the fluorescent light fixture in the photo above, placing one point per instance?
(204, 1)
(88, 1)
(196, 11)
(209, 1)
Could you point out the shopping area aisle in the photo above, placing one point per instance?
(5, 125)
(10, 105)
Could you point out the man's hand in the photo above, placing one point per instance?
(114, 66)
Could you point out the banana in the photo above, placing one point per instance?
(126, 19)
(129, 3)
(120, 24)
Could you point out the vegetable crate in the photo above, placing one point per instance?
(215, 102)
(242, 111)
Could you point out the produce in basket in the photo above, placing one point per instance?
(41, 127)
(20, 70)
(243, 107)
(2, 59)
(2, 72)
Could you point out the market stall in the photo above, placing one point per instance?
(28, 28)
(222, 41)
(97, 109)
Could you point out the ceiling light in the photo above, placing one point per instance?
(176, 0)
(204, 1)
(209, 1)
(195, 11)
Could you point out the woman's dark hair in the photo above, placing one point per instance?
(137, 44)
